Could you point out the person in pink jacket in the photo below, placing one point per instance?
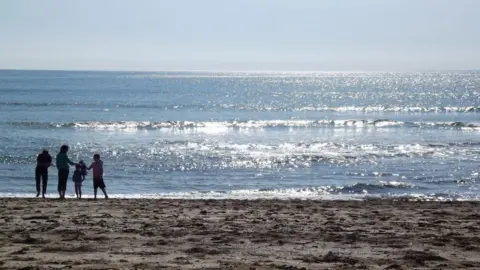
(97, 166)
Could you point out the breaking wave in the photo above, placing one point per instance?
(359, 191)
(380, 187)
(466, 109)
(150, 125)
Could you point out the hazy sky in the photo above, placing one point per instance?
(240, 35)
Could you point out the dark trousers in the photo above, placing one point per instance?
(62, 180)
(41, 175)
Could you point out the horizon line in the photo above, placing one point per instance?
(240, 70)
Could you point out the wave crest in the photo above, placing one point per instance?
(358, 191)
(151, 125)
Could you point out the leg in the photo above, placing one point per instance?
(76, 190)
(79, 191)
(65, 180)
(105, 193)
(63, 189)
(96, 185)
(101, 184)
(44, 182)
(62, 182)
(59, 188)
(37, 180)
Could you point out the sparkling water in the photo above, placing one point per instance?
(247, 135)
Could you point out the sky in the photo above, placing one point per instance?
(151, 35)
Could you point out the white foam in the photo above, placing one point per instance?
(282, 194)
(233, 195)
(397, 184)
(224, 126)
(401, 109)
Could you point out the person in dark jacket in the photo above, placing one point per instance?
(63, 166)
(44, 160)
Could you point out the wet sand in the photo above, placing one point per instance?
(231, 234)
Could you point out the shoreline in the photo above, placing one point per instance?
(218, 197)
(238, 234)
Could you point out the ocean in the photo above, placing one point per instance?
(247, 135)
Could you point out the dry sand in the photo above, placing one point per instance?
(230, 234)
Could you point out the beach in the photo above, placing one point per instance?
(238, 234)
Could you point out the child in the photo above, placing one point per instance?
(79, 177)
(97, 167)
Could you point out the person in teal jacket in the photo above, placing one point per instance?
(63, 166)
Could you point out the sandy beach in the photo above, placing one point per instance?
(231, 234)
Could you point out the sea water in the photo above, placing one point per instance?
(247, 135)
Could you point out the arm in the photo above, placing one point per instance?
(100, 163)
(70, 162)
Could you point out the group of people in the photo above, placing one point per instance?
(63, 163)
